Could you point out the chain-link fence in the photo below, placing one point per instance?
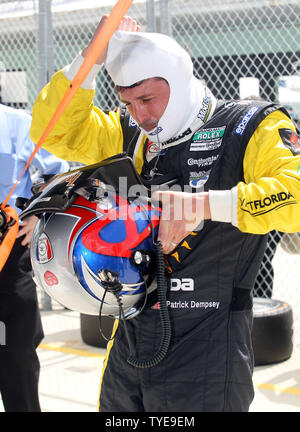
(240, 48)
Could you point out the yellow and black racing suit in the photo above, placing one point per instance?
(249, 144)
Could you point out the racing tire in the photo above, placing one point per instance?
(90, 332)
(272, 332)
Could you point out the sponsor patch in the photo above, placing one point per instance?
(207, 139)
(189, 304)
(241, 127)
(205, 109)
(156, 131)
(152, 148)
(202, 162)
(132, 122)
(50, 278)
(269, 203)
(291, 140)
(44, 250)
(185, 284)
(198, 178)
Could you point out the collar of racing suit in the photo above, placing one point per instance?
(133, 57)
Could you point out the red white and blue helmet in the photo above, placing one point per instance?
(71, 249)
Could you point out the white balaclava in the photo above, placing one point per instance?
(133, 57)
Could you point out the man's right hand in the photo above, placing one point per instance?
(127, 24)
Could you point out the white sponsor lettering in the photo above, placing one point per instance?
(202, 161)
(245, 120)
(184, 304)
(185, 284)
(206, 145)
(205, 305)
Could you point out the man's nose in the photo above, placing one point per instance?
(140, 115)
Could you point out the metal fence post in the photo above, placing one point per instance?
(50, 40)
(45, 66)
(42, 45)
(150, 12)
(165, 17)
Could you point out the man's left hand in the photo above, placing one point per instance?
(26, 229)
(182, 213)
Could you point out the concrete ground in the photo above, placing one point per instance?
(71, 371)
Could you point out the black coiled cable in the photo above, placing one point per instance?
(164, 315)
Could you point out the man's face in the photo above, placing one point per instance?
(147, 101)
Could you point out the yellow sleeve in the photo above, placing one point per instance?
(83, 133)
(270, 196)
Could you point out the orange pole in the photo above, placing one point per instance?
(96, 48)
(98, 45)
(10, 237)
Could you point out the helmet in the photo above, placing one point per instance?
(76, 251)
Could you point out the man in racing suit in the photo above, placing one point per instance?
(241, 158)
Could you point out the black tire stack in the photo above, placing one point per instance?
(272, 333)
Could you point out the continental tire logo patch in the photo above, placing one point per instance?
(291, 140)
(269, 203)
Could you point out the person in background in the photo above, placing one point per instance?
(19, 310)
